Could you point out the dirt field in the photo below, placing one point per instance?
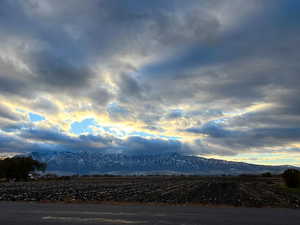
(247, 191)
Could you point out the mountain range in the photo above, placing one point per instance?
(84, 162)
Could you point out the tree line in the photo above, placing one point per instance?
(19, 168)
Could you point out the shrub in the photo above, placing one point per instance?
(291, 178)
(267, 174)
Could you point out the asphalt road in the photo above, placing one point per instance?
(12, 213)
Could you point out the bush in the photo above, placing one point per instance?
(291, 178)
(267, 174)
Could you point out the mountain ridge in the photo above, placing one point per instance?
(84, 162)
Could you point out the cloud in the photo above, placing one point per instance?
(47, 135)
(243, 139)
(138, 145)
(117, 112)
(45, 105)
(7, 113)
(32, 139)
(161, 66)
(213, 130)
(58, 72)
(9, 85)
(174, 114)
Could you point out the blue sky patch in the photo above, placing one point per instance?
(35, 117)
(83, 126)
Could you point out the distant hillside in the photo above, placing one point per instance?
(172, 163)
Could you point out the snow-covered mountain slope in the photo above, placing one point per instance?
(171, 163)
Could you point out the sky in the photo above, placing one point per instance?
(212, 78)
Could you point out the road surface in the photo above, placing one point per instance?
(12, 213)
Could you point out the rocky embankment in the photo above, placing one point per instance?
(233, 191)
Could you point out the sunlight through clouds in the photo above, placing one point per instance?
(211, 78)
